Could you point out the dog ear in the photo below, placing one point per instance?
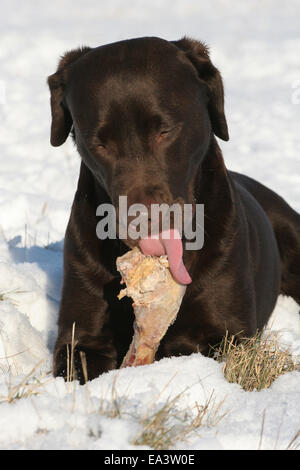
(198, 54)
(61, 117)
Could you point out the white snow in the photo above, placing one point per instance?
(256, 46)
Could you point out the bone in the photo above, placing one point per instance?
(156, 301)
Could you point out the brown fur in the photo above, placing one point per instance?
(143, 114)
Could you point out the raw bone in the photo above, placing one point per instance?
(157, 298)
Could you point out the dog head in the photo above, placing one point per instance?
(143, 113)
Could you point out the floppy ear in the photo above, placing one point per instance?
(61, 117)
(197, 52)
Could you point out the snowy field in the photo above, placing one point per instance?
(256, 45)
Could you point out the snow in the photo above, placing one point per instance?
(255, 45)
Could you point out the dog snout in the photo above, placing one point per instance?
(148, 211)
(148, 195)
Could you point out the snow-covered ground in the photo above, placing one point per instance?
(256, 46)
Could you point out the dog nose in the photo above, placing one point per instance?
(149, 194)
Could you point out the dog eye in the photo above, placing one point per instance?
(165, 133)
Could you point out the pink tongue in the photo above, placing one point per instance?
(169, 243)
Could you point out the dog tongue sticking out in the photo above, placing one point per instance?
(168, 243)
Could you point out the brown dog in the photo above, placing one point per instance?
(144, 114)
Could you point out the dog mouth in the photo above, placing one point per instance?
(158, 240)
(168, 243)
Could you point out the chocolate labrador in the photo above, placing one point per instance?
(144, 114)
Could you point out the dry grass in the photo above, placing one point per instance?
(28, 386)
(161, 426)
(9, 295)
(114, 405)
(254, 363)
(295, 442)
(71, 370)
(164, 427)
